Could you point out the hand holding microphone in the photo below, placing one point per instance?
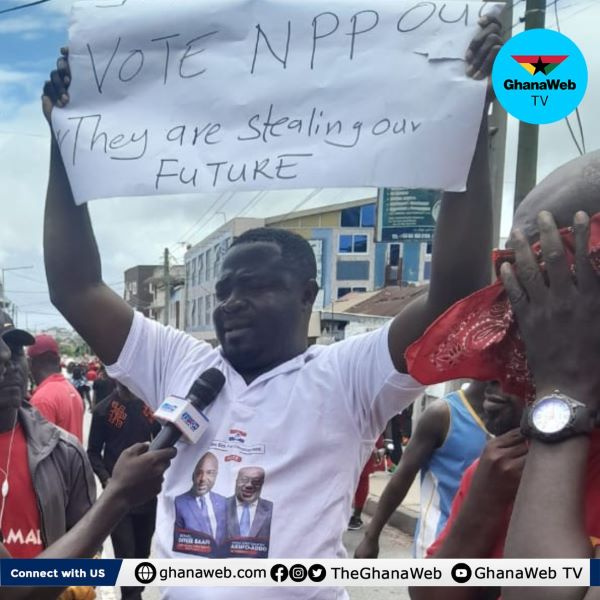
(185, 416)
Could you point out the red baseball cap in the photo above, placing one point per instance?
(43, 343)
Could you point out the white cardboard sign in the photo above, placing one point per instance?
(186, 96)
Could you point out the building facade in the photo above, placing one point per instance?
(137, 289)
(145, 291)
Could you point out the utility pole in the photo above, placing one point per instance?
(527, 153)
(497, 123)
(167, 281)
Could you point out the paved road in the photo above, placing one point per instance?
(393, 544)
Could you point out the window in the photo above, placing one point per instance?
(394, 255)
(200, 310)
(194, 316)
(208, 311)
(345, 243)
(200, 268)
(207, 264)
(353, 244)
(346, 290)
(218, 254)
(360, 243)
(429, 248)
(367, 215)
(351, 217)
(359, 216)
(193, 271)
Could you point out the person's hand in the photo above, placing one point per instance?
(500, 467)
(56, 88)
(484, 48)
(368, 548)
(138, 474)
(558, 314)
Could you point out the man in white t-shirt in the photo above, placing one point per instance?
(300, 421)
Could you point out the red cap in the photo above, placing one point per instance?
(43, 343)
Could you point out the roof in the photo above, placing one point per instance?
(334, 205)
(387, 302)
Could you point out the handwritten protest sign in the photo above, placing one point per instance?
(184, 96)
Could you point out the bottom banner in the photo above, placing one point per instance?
(299, 572)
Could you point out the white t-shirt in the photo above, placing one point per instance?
(310, 424)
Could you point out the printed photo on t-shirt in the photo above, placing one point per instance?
(213, 525)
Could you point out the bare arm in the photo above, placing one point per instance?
(559, 320)
(429, 435)
(71, 255)
(461, 254)
(137, 478)
(463, 235)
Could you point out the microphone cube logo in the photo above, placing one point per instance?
(540, 76)
(189, 421)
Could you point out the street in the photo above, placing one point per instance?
(393, 544)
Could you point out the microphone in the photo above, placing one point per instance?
(185, 416)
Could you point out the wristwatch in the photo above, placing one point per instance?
(557, 417)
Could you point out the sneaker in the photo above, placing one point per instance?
(355, 523)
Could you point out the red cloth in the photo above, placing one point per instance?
(21, 520)
(60, 403)
(478, 337)
(592, 504)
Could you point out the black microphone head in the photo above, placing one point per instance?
(207, 387)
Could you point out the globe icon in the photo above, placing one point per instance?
(145, 572)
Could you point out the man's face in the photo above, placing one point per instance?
(502, 412)
(205, 475)
(14, 374)
(261, 306)
(248, 484)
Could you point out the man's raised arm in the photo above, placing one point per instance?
(559, 320)
(73, 268)
(463, 235)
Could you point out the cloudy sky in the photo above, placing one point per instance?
(29, 42)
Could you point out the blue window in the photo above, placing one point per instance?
(359, 216)
(351, 217)
(360, 243)
(353, 244)
(345, 243)
(367, 215)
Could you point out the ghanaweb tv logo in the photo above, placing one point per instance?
(540, 64)
(532, 87)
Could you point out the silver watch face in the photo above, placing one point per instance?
(551, 415)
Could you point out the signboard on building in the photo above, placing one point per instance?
(407, 215)
(317, 246)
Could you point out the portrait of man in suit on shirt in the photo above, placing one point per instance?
(249, 515)
(200, 509)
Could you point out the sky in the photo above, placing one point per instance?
(136, 230)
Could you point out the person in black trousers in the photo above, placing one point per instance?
(119, 421)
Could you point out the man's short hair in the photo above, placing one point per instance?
(295, 250)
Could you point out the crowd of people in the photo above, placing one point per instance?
(507, 465)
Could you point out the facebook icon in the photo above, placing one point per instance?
(279, 573)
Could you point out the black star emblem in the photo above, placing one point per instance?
(540, 66)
